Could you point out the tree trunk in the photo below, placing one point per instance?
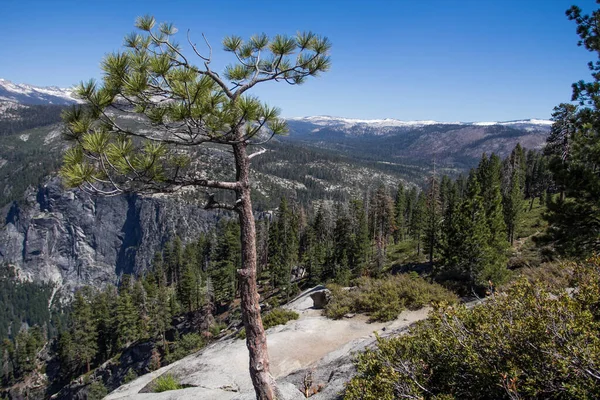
(256, 339)
(531, 203)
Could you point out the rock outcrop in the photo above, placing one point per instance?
(71, 238)
(320, 298)
(312, 353)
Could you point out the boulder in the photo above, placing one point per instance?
(320, 298)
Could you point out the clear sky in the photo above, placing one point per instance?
(447, 60)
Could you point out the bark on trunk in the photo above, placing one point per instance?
(256, 339)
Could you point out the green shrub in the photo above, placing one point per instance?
(526, 343)
(165, 382)
(278, 316)
(96, 391)
(216, 328)
(184, 346)
(383, 299)
(130, 375)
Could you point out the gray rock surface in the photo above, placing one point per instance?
(320, 298)
(71, 238)
(312, 345)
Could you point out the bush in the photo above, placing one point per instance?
(130, 375)
(216, 328)
(278, 316)
(383, 299)
(526, 343)
(551, 274)
(165, 382)
(96, 391)
(185, 346)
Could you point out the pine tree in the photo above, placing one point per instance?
(382, 225)
(283, 246)
(359, 237)
(127, 319)
(400, 213)
(411, 202)
(559, 143)
(175, 265)
(215, 108)
(160, 314)
(158, 269)
(225, 262)
(489, 175)
(83, 329)
(575, 148)
(466, 253)
(321, 248)
(432, 217)
(513, 206)
(342, 245)
(139, 298)
(103, 306)
(187, 287)
(417, 223)
(7, 360)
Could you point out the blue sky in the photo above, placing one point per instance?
(447, 60)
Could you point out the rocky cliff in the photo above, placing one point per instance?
(71, 238)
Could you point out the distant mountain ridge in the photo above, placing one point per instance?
(35, 95)
(453, 144)
(353, 125)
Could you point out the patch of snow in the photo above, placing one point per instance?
(325, 120)
(24, 93)
(24, 137)
(484, 123)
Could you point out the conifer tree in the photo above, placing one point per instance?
(174, 261)
(187, 288)
(559, 143)
(127, 319)
(400, 213)
(341, 235)
(513, 206)
(489, 175)
(466, 252)
(158, 269)
(283, 246)
(225, 262)
(319, 251)
(103, 307)
(418, 220)
(7, 358)
(310, 257)
(575, 148)
(83, 329)
(411, 202)
(432, 217)
(203, 107)
(160, 314)
(382, 224)
(445, 192)
(360, 238)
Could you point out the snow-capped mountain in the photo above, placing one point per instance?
(453, 143)
(352, 126)
(28, 94)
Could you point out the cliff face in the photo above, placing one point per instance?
(71, 238)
